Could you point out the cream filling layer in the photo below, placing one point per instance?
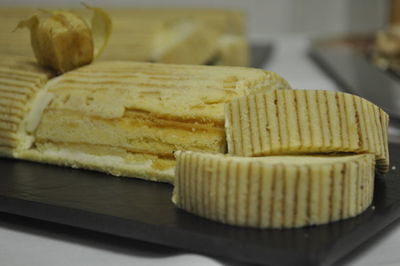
(114, 165)
(31, 121)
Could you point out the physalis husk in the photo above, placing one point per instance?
(63, 40)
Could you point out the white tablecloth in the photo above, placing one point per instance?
(32, 244)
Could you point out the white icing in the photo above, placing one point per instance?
(41, 101)
(227, 124)
(34, 115)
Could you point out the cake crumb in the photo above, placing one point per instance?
(394, 167)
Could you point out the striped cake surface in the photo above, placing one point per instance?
(306, 122)
(20, 80)
(274, 191)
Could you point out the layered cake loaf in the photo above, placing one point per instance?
(128, 118)
(297, 158)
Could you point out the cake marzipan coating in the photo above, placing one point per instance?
(306, 122)
(128, 118)
(274, 191)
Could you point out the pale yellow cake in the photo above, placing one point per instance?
(20, 81)
(274, 191)
(306, 122)
(128, 118)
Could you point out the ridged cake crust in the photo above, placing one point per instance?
(305, 122)
(274, 191)
(20, 80)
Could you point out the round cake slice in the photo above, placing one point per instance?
(306, 122)
(273, 191)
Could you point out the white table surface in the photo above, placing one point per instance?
(26, 242)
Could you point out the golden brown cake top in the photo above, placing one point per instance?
(107, 89)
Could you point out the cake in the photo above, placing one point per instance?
(21, 80)
(273, 191)
(128, 118)
(296, 158)
(306, 122)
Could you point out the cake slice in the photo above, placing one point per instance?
(274, 191)
(128, 118)
(306, 122)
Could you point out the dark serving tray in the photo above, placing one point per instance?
(143, 210)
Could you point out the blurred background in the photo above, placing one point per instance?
(268, 18)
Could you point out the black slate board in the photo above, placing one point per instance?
(142, 210)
